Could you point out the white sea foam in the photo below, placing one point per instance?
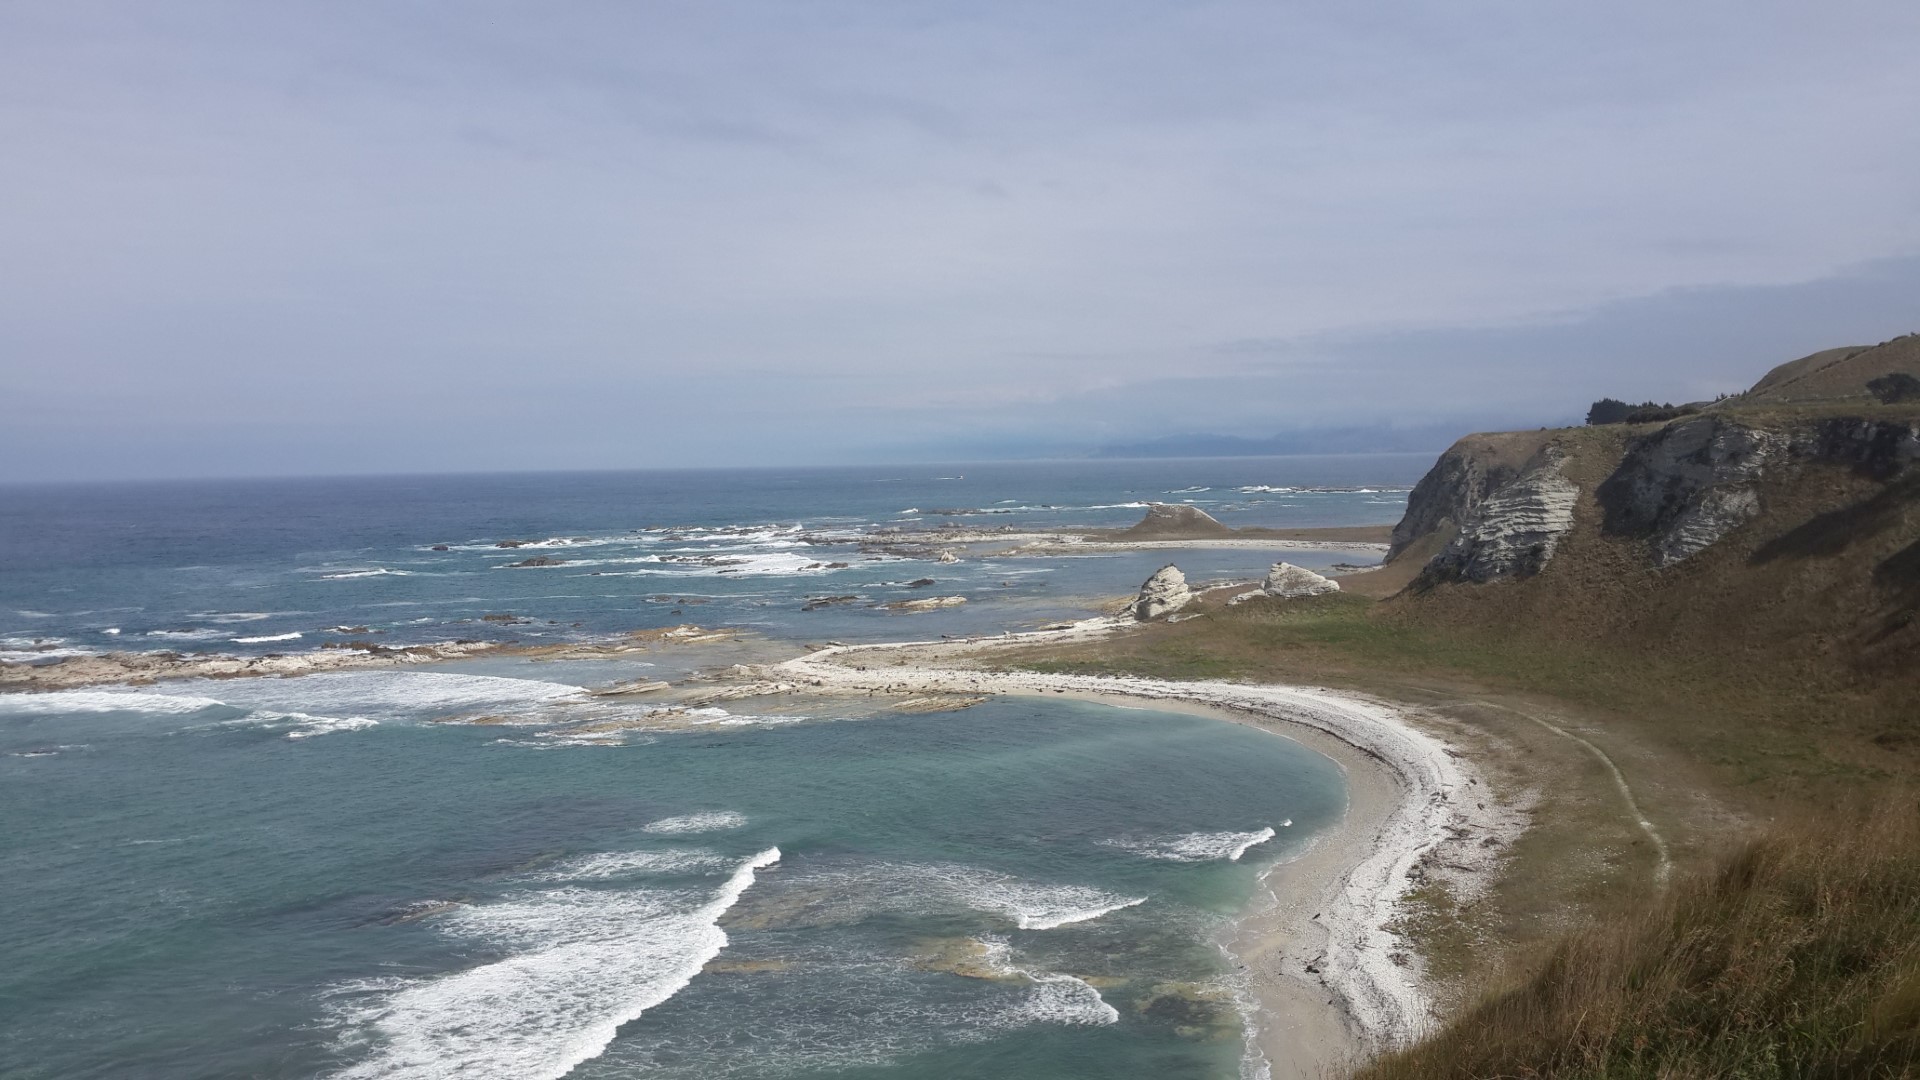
(619, 864)
(931, 888)
(294, 635)
(425, 694)
(1120, 506)
(42, 651)
(1189, 490)
(327, 725)
(111, 630)
(727, 563)
(1195, 847)
(237, 616)
(714, 821)
(1055, 998)
(378, 571)
(102, 701)
(1065, 999)
(198, 633)
(580, 963)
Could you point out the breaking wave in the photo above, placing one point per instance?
(294, 635)
(579, 963)
(1196, 847)
(103, 701)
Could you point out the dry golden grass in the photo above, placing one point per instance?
(1797, 956)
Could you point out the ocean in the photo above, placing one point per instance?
(315, 877)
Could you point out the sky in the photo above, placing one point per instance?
(398, 236)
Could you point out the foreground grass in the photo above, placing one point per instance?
(1798, 956)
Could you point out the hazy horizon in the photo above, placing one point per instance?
(339, 239)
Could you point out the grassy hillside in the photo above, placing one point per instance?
(1755, 694)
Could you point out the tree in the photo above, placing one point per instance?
(1608, 411)
(1894, 387)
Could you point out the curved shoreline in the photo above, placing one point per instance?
(1333, 979)
(1327, 936)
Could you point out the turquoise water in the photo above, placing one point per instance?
(314, 878)
(207, 884)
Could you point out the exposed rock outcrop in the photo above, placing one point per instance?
(929, 603)
(1688, 484)
(1162, 594)
(1513, 530)
(1287, 581)
(1465, 476)
(1876, 448)
(1175, 521)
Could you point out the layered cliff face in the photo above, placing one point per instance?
(1452, 491)
(1784, 536)
(1511, 530)
(1671, 491)
(1688, 484)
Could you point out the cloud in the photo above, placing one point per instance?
(677, 234)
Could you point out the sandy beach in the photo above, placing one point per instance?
(1333, 979)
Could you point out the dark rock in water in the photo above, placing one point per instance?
(512, 543)
(440, 547)
(818, 602)
(502, 619)
(838, 565)
(919, 583)
(537, 560)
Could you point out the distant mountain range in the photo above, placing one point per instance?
(1379, 439)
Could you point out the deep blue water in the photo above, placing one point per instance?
(214, 565)
(316, 877)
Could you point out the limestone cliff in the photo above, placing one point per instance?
(1785, 532)
(1686, 485)
(1513, 530)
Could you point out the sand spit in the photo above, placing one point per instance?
(1327, 933)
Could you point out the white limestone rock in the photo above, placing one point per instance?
(1162, 594)
(1514, 532)
(1288, 581)
(1689, 484)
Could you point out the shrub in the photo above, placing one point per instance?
(1614, 411)
(1894, 387)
